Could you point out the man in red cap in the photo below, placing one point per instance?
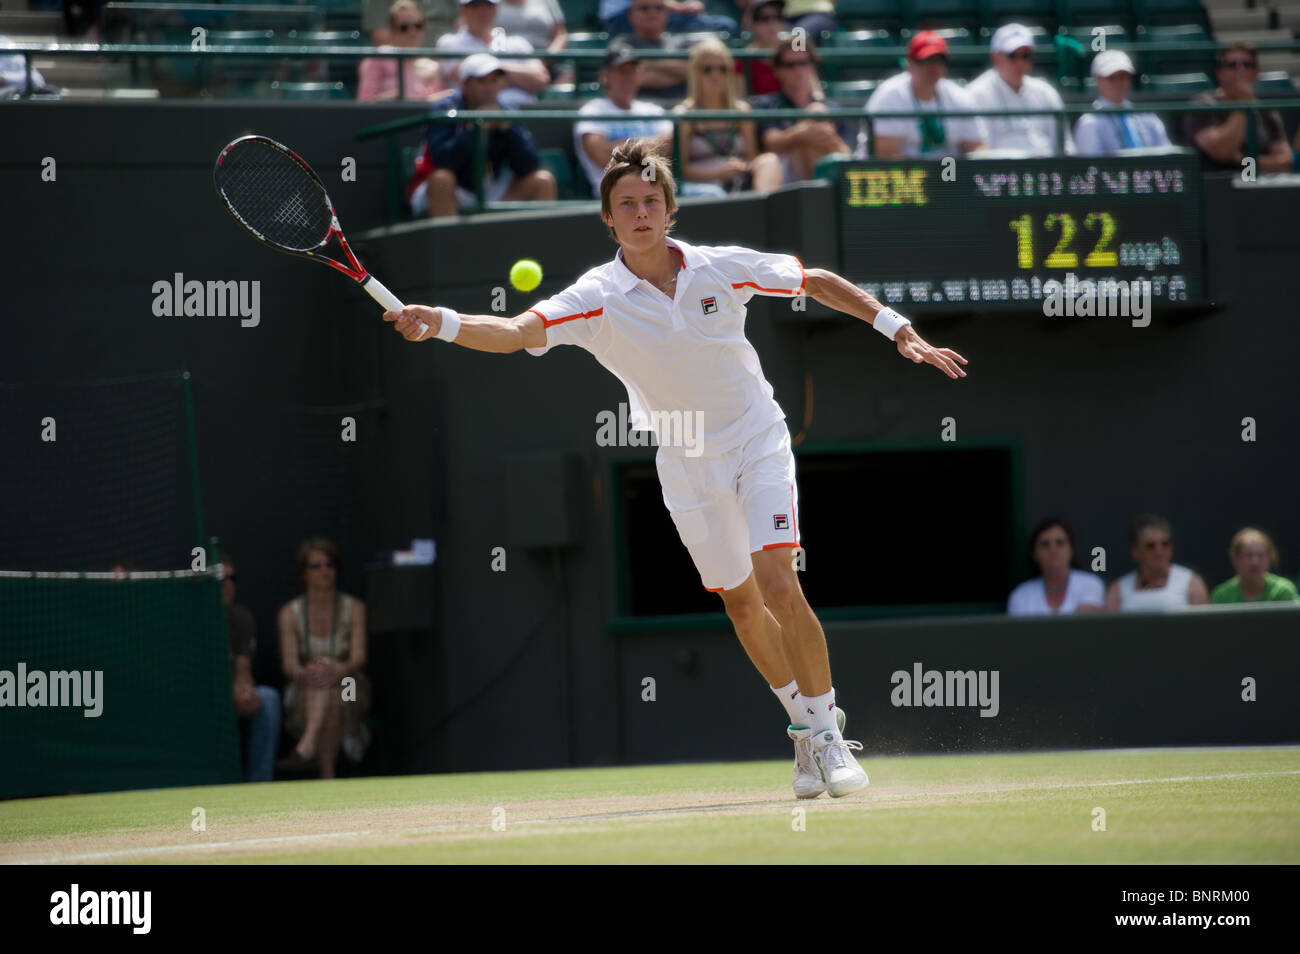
(924, 88)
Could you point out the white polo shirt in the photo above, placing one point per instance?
(688, 354)
(1033, 134)
(895, 95)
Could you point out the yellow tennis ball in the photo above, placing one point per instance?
(526, 274)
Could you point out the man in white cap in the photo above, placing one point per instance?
(1104, 132)
(524, 78)
(444, 171)
(1008, 85)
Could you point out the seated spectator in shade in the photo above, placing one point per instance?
(13, 71)
(1102, 133)
(1252, 553)
(1221, 137)
(258, 707)
(440, 17)
(1061, 586)
(524, 77)
(1009, 85)
(758, 77)
(811, 16)
(623, 116)
(798, 143)
(444, 178)
(1158, 583)
(323, 642)
(662, 79)
(923, 86)
(540, 22)
(720, 156)
(377, 75)
(684, 16)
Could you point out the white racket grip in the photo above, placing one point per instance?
(386, 298)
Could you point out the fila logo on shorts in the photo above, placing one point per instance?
(710, 305)
(780, 521)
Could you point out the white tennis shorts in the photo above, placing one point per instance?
(731, 505)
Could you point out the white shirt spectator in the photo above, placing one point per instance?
(533, 20)
(462, 40)
(1081, 588)
(13, 70)
(896, 95)
(626, 125)
(1099, 134)
(1173, 594)
(1035, 135)
(690, 353)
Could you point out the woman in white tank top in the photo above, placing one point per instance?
(1158, 583)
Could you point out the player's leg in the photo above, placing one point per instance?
(769, 495)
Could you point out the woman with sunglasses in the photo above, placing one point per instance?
(767, 23)
(377, 75)
(720, 156)
(1158, 583)
(323, 642)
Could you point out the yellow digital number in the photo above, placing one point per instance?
(1024, 229)
(1101, 256)
(1060, 258)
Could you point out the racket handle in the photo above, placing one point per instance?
(386, 298)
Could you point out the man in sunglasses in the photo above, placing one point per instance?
(1221, 137)
(1008, 85)
(524, 78)
(660, 79)
(925, 88)
(1158, 583)
(684, 16)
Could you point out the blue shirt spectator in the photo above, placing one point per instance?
(1100, 133)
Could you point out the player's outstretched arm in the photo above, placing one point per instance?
(495, 333)
(835, 291)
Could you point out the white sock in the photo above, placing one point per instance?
(789, 696)
(819, 711)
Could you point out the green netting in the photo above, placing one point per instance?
(166, 712)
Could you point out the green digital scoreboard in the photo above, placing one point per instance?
(993, 233)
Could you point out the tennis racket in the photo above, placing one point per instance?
(272, 192)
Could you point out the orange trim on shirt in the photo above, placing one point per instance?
(547, 322)
(720, 589)
(803, 280)
(772, 546)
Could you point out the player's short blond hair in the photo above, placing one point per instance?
(1250, 535)
(637, 156)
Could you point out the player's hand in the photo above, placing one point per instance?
(913, 347)
(408, 320)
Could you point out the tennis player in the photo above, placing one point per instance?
(668, 319)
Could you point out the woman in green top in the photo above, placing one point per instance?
(1252, 553)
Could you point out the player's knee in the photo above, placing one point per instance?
(745, 615)
(781, 594)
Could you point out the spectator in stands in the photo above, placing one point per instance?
(524, 77)
(811, 16)
(540, 22)
(1221, 137)
(377, 75)
(1252, 553)
(440, 16)
(1009, 85)
(720, 156)
(923, 87)
(798, 143)
(445, 169)
(13, 72)
(757, 76)
(1158, 583)
(684, 16)
(1102, 133)
(1060, 585)
(664, 79)
(258, 707)
(322, 643)
(594, 140)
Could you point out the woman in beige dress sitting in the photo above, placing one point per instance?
(323, 649)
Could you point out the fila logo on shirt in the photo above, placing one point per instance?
(780, 521)
(710, 305)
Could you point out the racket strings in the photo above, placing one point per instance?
(275, 196)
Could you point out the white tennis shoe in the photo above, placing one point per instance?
(840, 770)
(808, 782)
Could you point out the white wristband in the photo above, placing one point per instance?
(888, 321)
(450, 324)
